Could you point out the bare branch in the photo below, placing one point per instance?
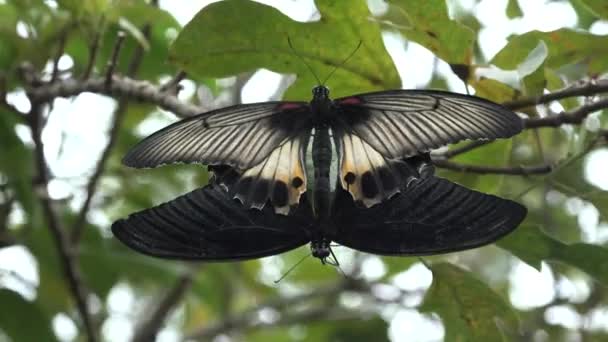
(114, 59)
(66, 255)
(92, 54)
(244, 319)
(150, 328)
(173, 85)
(62, 40)
(121, 86)
(588, 89)
(573, 117)
(513, 170)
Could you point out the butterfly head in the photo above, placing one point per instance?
(320, 249)
(320, 92)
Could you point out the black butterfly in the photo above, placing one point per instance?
(429, 216)
(264, 145)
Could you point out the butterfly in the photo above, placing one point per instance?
(265, 152)
(430, 215)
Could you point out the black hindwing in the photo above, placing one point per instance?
(431, 216)
(206, 224)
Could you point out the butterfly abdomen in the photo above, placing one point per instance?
(322, 157)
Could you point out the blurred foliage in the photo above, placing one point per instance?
(470, 290)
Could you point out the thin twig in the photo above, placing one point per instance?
(588, 89)
(60, 50)
(465, 148)
(512, 170)
(92, 54)
(149, 329)
(173, 85)
(114, 59)
(66, 255)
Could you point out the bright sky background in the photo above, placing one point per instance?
(528, 287)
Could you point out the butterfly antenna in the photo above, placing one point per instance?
(336, 263)
(292, 268)
(343, 62)
(303, 61)
(466, 87)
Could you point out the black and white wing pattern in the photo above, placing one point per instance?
(207, 224)
(372, 178)
(240, 136)
(280, 178)
(431, 216)
(404, 123)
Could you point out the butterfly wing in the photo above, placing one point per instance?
(240, 136)
(280, 178)
(206, 224)
(370, 177)
(431, 216)
(404, 123)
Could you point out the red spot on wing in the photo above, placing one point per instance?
(351, 101)
(289, 106)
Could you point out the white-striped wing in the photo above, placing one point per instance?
(403, 123)
(369, 176)
(280, 178)
(240, 136)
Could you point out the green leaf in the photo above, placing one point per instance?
(234, 36)
(565, 46)
(585, 16)
(470, 310)
(427, 23)
(532, 245)
(513, 9)
(597, 7)
(22, 320)
(532, 72)
(9, 40)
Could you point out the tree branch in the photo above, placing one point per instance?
(114, 59)
(573, 117)
(149, 329)
(245, 318)
(66, 255)
(121, 86)
(513, 170)
(588, 89)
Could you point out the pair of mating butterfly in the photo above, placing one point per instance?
(354, 170)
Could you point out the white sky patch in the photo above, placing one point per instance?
(373, 268)
(595, 166)
(530, 288)
(563, 315)
(417, 277)
(19, 271)
(64, 327)
(412, 326)
(261, 86)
